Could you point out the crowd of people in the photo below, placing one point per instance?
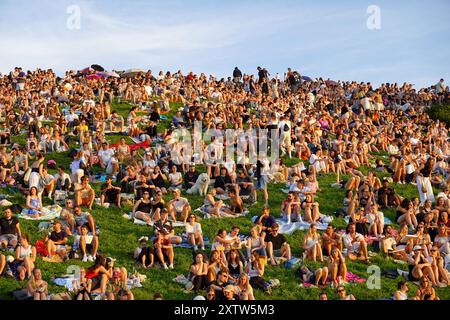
(331, 128)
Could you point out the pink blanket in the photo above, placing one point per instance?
(351, 277)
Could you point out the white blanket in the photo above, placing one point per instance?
(289, 228)
(50, 213)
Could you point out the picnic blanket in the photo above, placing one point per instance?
(351, 278)
(144, 144)
(50, 213)
(133, 281)
(289, 228)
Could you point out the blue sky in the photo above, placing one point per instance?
(327, 39)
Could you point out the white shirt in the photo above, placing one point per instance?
(71, 117)
(106, 155)
(193, 229)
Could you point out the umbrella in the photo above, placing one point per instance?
(306, 78)
(132, 72)
(93, 76)
(113, 74)
(97, 67)
(103, 74)
(86, 70)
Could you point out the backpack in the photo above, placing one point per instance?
(286, 128)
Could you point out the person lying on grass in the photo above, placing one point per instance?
(316, 277)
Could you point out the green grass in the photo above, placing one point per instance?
(119, 236)
(440, 112)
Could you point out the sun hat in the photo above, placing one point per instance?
(417, 247)
(199, 298)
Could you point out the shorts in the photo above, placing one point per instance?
(60, 247)
(277, 253)
(20, 86)
(8, 238)
(261, 184)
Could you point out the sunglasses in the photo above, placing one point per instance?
(341, 290)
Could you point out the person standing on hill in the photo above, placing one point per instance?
(237, 75)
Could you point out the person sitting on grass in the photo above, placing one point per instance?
(255, 243)
(315, 277)
(179, 206)
(330, 239)
(25, 258)
(84, 193)
(355, 244)
(337, 267)
(266, 220)
(255, 271)
(175, 178)
(37, 288)
(88, 244)
(66, 218)
(194, 233)
(116, 122)
(402, 291)
(142, 208)
(46, 183)
(198, 272)
(56, 243)
(342, 293)
(277, 245)
(34, 203)
(290, 208)
(387, 196)
(9, 230)
(165, 227)
(163, 250)
(110, 193)
(312, 244)
(99, 274)
(311, 209)
(426, 291)
(144, 254)
(2, 263)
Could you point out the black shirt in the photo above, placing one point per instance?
(277, 241)
(58, 236)
(8, 226)
(268, 221)
(221, 182)
(164, 227)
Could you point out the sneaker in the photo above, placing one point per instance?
(85, 258)
(76, 256)
(195, 247)
(171, 267)
(90, 258)
(203, 248)
(165, 266)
